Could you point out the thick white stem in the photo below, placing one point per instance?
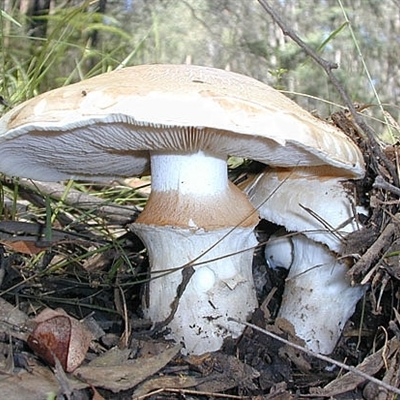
(194, 214)
(221, 286)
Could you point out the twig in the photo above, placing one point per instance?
(194, 392)
(375, 251)
(328, 67)
(380, 183)
(327, 359)
(187, 273)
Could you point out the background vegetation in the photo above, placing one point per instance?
(68, 40)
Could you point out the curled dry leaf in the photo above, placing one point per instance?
(23, 246)
(56, 334)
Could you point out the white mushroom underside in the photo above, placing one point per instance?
(119, 146)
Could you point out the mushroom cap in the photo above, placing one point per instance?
(310, 200)
(104, 127)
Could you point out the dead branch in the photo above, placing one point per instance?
(380, 183)
(375, 251)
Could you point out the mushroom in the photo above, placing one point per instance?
(317, 209)
(182, 121)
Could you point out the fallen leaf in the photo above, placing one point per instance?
(56, 334)
(34, 385)
(114, 356)
(33, 238)
(24, 246)
(12, 320)
(371, 365)
(127, 375)
(223, 372)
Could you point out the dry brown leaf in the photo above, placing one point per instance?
(371, 365)
(34, 385)
(56, 334)
(297, 357)
(374, 392)
(128, 374)
(31, 237)
(114, 356)
(228, 372)
(24, 246)
(12, 320)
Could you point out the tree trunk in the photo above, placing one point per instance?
(35, 9)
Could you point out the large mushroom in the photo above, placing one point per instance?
(183, 122)
(317, 209)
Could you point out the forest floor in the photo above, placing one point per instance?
(82, 260)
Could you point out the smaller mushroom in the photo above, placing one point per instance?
(318, 297)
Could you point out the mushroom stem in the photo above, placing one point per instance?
(318, 298)
(221, 286)
(193, 191)
(195, 217)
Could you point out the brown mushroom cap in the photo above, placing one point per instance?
(104, 127)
